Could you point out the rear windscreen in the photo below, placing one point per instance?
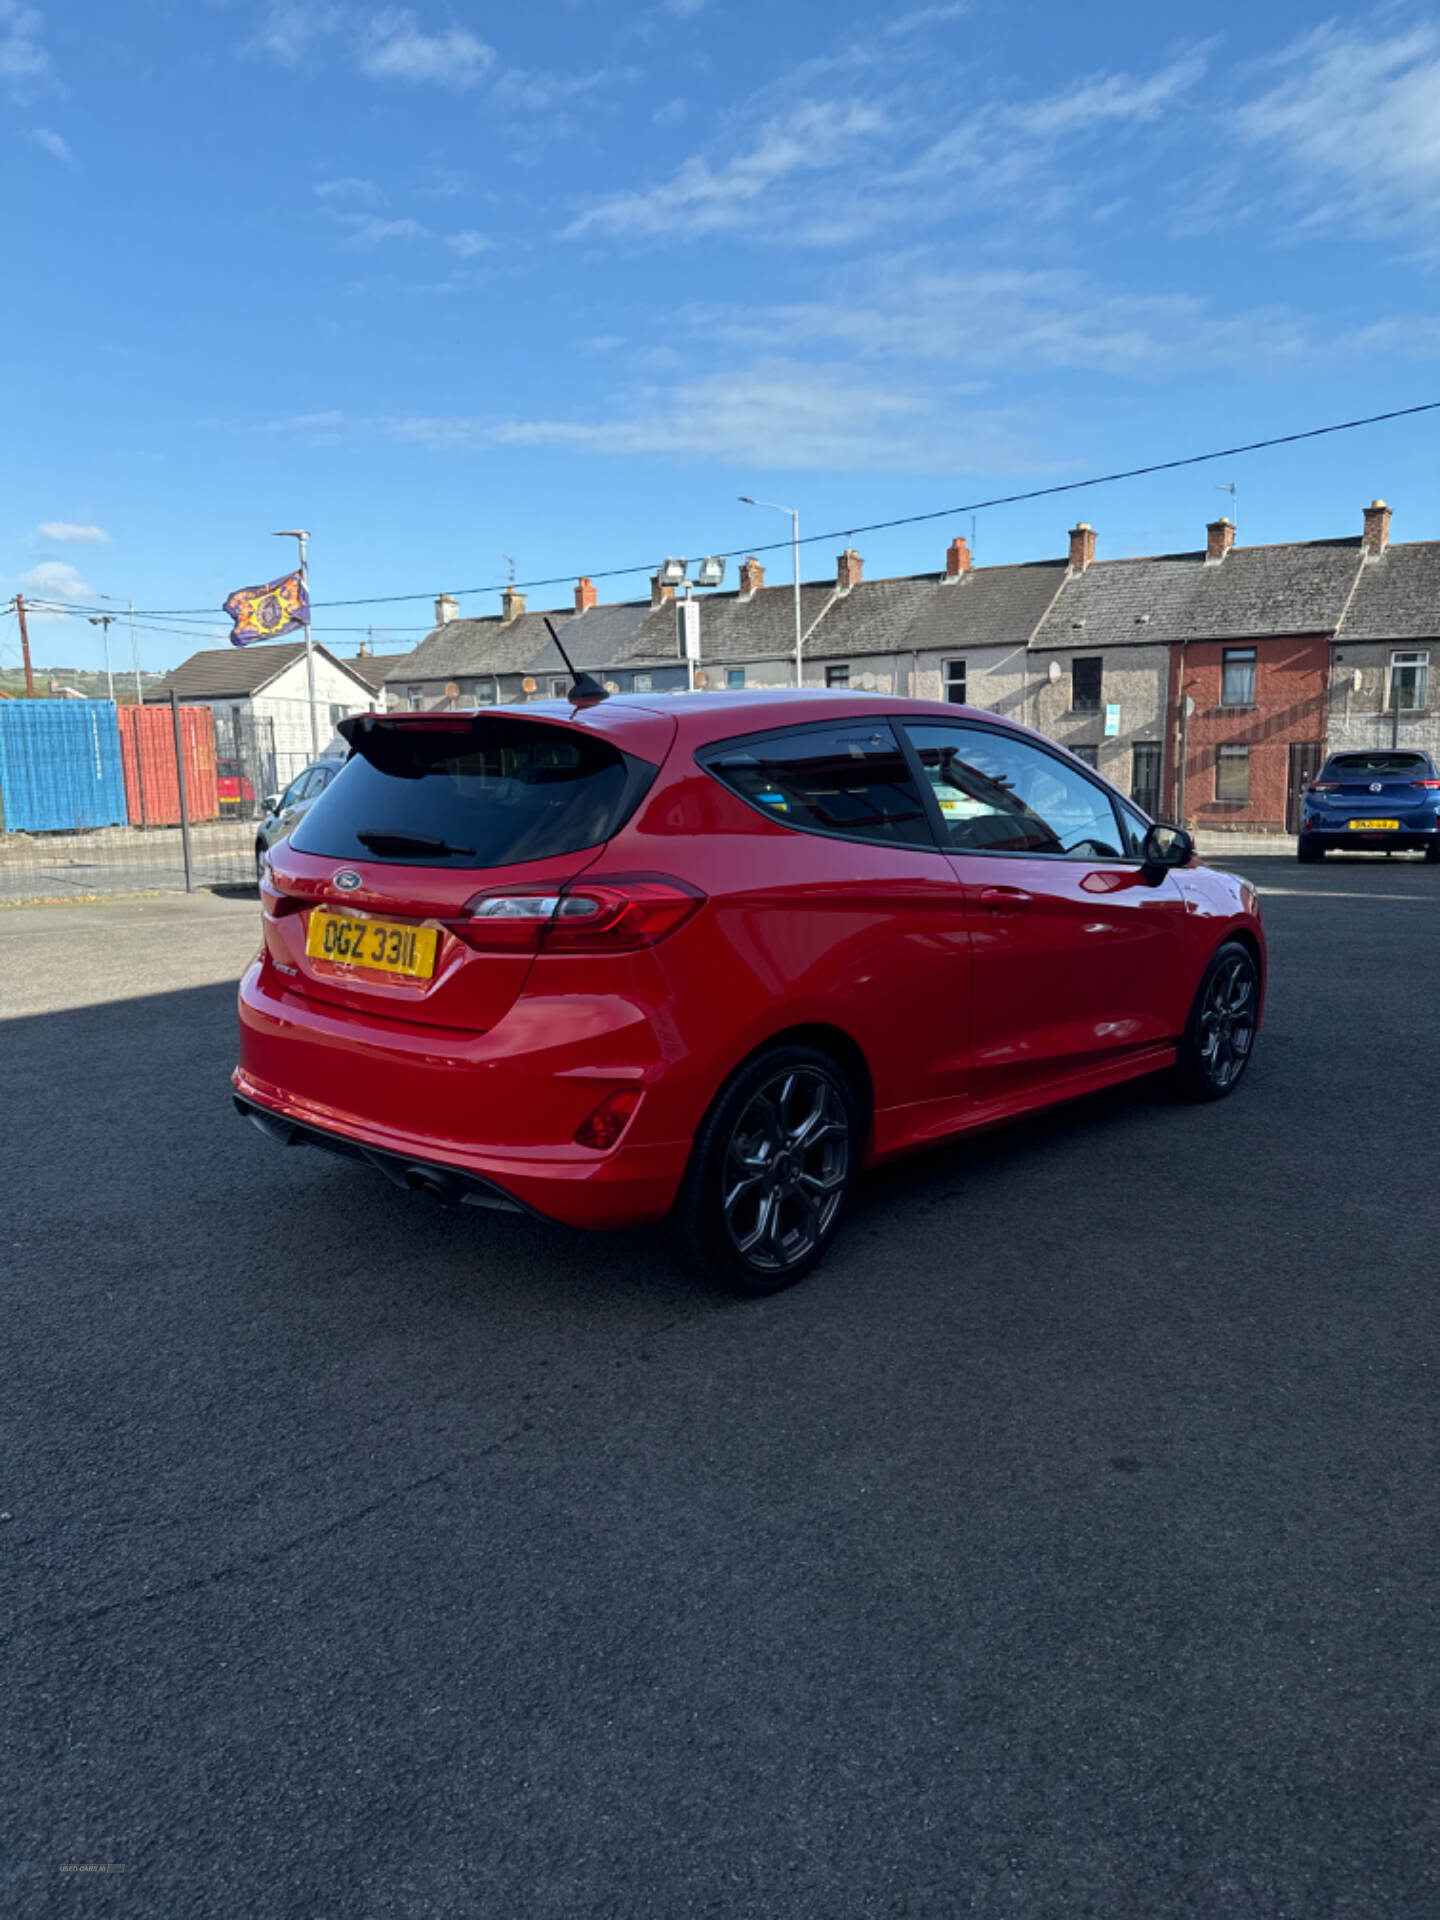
(493, 793)
(1345, 764)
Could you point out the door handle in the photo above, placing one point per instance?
(1003, 900)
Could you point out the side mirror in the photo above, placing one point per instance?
(270, 802)
(1167, 847)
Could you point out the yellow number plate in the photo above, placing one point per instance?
(386, 945)
(1366, 825)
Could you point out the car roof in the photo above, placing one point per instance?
(702, 717)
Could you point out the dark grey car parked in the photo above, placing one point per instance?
(283, 810)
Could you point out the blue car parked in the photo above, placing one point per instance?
(1381, 797)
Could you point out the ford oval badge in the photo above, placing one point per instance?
(347, 880)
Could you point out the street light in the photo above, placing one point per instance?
(795, 531)
(134, 643)
(709, 572)
(105, 621)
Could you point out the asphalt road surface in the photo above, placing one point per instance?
(1066, 1547)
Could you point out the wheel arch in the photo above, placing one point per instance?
(842, 1046)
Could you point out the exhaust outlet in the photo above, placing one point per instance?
(426, 1180)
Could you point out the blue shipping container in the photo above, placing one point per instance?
(60, 766)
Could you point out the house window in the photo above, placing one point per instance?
(955, 682)
(1090, 755)
(838, 676)
(1237, 677)
(1145, 776)
(1409, 678)
(641, 683)
(735, 676)
(1232, 776)
(415, 698)
(558, 689)
(1085, 684)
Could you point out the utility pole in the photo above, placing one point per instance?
(135, 656)
(745, 500)
(25, 647)
(105, 621)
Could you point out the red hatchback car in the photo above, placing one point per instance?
(703, 957)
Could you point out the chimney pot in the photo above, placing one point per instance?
(1219, 539)
(1376, 536)
(512, 604)
(957, 558)
(848, 569)
(658, 594)
(752, 576)
(585, 594)
(1082, 546)
(445, 610)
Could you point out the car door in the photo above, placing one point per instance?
(1076, 947)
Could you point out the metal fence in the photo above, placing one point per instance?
(98, 799)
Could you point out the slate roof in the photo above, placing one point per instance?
(490, 645)
(760, 627)
(230, 673)
(1253, 592)
(986, 607)
(1397, 596)
(376, 668)
(593, 639)
(875, 616)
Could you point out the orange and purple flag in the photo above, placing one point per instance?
(264, 613)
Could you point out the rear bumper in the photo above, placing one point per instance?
(1410, 838)
(467, 1114)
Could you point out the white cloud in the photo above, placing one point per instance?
(818, 134)
(56, 580)
(773, 414)
(54, 144)
(351, 190)
(469, 243)
(395, 47)
(672, 113)
(365, 230)
(1107, 98)
(684, 9)
(921, 19)
(64, 532)
(291, 27)
(24, 64)
(1356, 120)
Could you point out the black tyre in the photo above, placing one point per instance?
(1220, 1033)
(770, 1171)
(1306, 851)
(1432, 854)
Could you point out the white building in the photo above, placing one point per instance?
(260, 698)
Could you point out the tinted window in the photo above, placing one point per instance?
(850, 780)
(1341, 765)
(295, 791)
(999, 794)
(483, 793)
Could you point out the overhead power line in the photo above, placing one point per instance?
(873, 526)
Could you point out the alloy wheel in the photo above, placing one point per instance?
(786, 1169)
(1227, 1020)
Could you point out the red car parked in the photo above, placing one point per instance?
(705, 956)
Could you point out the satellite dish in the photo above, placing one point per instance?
(528, 684)
(1056, 670)
(866, 682)
(612, 686)
(700, 679)
(452, 691)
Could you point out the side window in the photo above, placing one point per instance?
(296, 789)
(852, 780)
(999, 794)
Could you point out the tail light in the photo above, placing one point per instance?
(1322, 786)
(609, 1120)
(1425, 783)
(617, 915)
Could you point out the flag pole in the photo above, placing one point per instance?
(302, 535)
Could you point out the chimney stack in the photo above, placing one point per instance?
(848, 568)
(752, 577)
(658, 594)
(585, 594)
(1082, 546)
(512, 605)
(1219, 539)
(445, 611)
(957, 558)
(1376, 536)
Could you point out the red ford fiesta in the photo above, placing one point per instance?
(704, 957)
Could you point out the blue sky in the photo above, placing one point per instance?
(446, 283)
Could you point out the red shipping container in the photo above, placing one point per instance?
(147, 747)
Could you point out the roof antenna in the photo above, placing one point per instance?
(584, 688)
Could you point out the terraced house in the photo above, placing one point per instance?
(1207, 683)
